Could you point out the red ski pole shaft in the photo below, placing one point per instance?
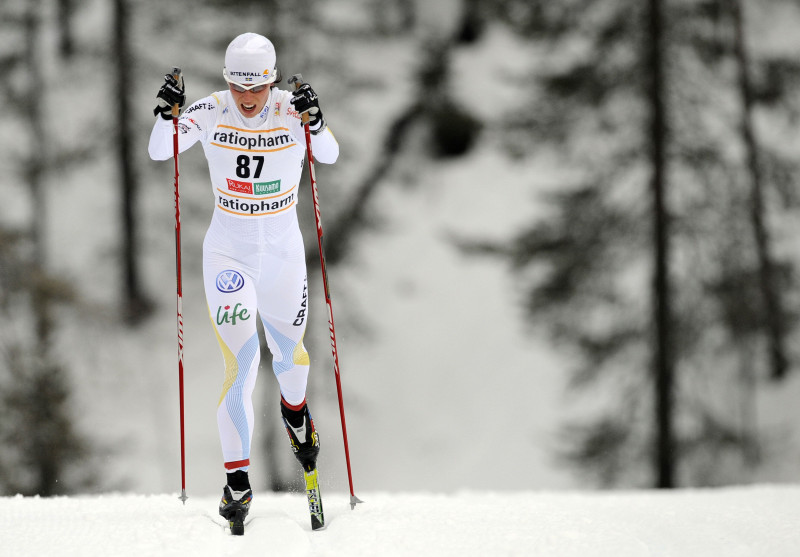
(297, 79)
(176, 73)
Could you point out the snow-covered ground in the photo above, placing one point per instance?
(736, 522)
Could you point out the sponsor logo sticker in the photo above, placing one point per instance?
(229, 281)
(228, 315)
(263, 188)
(198, 106)
(240, 187)
(301, 315)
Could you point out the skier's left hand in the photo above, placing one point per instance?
(304, 99)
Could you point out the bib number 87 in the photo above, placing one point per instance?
(243, 166)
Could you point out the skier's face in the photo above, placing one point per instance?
(250, 102)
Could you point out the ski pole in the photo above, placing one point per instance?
(297, 79)
(176, 73)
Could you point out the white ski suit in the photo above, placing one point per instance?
(253, 254)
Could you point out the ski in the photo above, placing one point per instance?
(314, 499)
(236, 523)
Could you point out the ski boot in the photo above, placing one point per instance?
(235, 503)
(302, 435)
(305, 445)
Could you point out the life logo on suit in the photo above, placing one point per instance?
(229, 281)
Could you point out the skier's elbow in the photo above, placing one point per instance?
(156, 155)
(327, 158)
(326, 148)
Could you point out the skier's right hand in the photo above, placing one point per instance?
(171, 93)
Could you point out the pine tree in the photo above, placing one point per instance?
(624, 115)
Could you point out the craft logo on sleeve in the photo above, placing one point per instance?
(240, 187)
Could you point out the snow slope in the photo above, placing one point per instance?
(735, 522)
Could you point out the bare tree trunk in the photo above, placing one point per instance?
(770, 291)
(136, 306)
(473, 21)
(664, 361)
(36, 168)
(748, 411)
(38, 155)
(66, 42)
(43, 378)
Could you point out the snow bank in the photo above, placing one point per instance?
(759, 521)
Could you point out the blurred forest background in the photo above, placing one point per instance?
(628, 166)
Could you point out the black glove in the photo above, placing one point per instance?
(171, 93)
(305, 99)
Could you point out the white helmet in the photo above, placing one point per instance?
(250, 60)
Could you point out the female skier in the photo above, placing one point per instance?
(253, 254)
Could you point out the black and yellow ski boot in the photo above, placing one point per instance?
(305, 445)
(235, 503)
